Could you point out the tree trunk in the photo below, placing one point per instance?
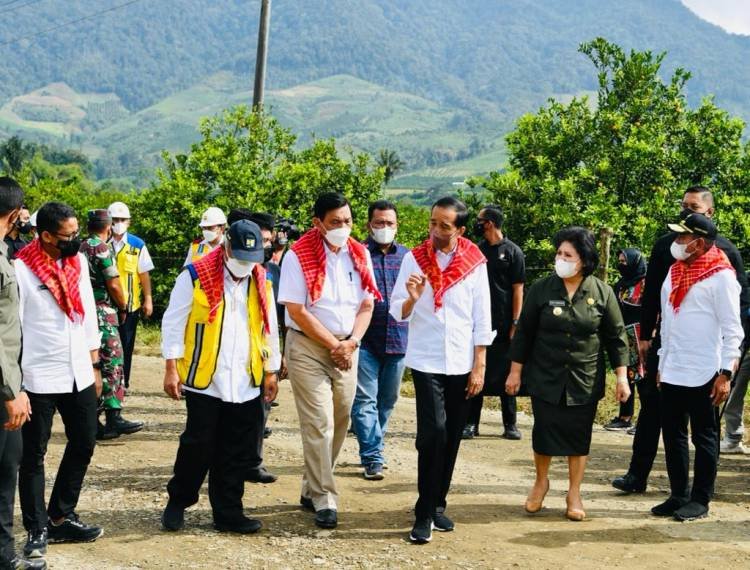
(605, 244)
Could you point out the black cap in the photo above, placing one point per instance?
(696, 224)
(245, 241)
(99, 216)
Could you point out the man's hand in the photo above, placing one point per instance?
(512, 332)
(415, 285)
(622, 392)
(513, 384)
(720, 389)
(148, 306)
(172, 386)
(18, 410)
(342, 354)
(643, 347)
(475, 383)
(98, 384)
(270, 387)
(283, 371)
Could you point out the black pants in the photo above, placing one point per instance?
(127, 338)
(648, 429)
(215, 441)
(256, 445)
(10, 457)
(680, 404)
(442, 408)
(507, 405)
(78, 413)
(627, 408)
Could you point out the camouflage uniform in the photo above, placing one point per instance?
(102, 268)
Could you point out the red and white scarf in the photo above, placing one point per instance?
(61, 282)
(210, 270)
(466, 258)
(312, 258)
(684, 276)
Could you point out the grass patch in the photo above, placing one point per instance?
(148, 339)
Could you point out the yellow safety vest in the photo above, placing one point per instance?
(127, 266)
(203, 339)
(198, 250)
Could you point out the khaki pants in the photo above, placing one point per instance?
(323, 395)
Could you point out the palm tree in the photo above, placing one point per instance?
(389, 161)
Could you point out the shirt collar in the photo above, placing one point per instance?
(374, 246)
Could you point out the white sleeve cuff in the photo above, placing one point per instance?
(484, 338)
(173, 352)
(396, 310)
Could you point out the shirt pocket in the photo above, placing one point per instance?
(131, 263)
(8, 285)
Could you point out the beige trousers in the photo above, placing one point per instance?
(324, 396)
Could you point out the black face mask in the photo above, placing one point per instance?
(69, 248)
(23, 227)
(267, 253)
(627, 271)
(479, 229)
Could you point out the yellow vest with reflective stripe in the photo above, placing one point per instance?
(130, 280)
(198, 250)
(203, 339)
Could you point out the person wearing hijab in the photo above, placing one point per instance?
(628, 290)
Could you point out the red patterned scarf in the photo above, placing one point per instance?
(684, 276)
(210, 270)
(312, 258)
(466, 258)
(61, 282)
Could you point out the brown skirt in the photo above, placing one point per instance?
(562, 430)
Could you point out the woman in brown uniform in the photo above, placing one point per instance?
(569, 320)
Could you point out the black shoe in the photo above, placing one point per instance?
(261, 475)
(173, 518)
(691, 512)
(274, 404)
(267, 432)
(103, 433)
(441, 523)
(618, 424)
(242, 525)
(421, 532)
(73, 530)
(470, 430)
(36, 543)
(115, 422)
(629, 484)
(307, 503)
(668, 507)
(326, 518)
(511, 432)
(19, 563)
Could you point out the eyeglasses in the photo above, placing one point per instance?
(70, 237)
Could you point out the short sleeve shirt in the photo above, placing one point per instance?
(102, 267)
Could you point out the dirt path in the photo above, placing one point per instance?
(125, 492)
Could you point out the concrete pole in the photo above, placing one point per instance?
(262, 55)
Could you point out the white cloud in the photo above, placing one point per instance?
(732, 15)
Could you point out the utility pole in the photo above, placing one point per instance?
(262, 56)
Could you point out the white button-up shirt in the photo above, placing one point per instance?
(342, 291)
(56, 351)
(145, 264)
(705, 335)
(231, 381)
(443, 341)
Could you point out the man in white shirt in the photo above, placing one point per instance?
(701, 334)
(443, 291)
(60, 364)
(220, 340)
(133, 264)
(327, 286)
(213, 224)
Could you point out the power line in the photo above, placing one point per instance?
(69, 23)
(14, 8)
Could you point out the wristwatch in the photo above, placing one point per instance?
(357, 342)
(515, 322)
(97, 365)
(727, 373)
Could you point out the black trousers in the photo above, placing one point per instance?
(442, 408)
(256, 446)
(648, 428)
(215, 442)
(78, 413)
(127, 338)
(11, 447)
(507, 406)
(680, 404)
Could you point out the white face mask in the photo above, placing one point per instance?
(384, 236)
(240, 269)
(339, 236)
(565, 269)
(679, 250)
(210, 236)
(119, 228)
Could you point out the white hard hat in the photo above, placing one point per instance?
(213, 217)
(32, 219)
(118, 210)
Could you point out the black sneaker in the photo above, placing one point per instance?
(326, 518)
(19, 563)
(374, 472)
(470, 431)
(441, 523)
(421, 533)
(629, 484)
(243, 525)
(668, 507)
(307, 503)
(512, 433)
(690, 512)
(267, 432)
(618, 424)
(173, 518)
(73, 530)
(36, 543)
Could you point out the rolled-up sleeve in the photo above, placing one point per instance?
(90, 318)
(482, 308)
(612, 329)
(400, 294)
(727, 308)
(176, 317)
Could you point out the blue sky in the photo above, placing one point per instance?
(732, 15)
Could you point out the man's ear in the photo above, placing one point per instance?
(461, 230)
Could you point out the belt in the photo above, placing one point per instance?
(338, 336)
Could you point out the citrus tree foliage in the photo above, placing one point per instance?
(244, 160)
(621, 161)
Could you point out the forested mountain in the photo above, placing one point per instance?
(486, 60)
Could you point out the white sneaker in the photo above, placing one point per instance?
(729, 447)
